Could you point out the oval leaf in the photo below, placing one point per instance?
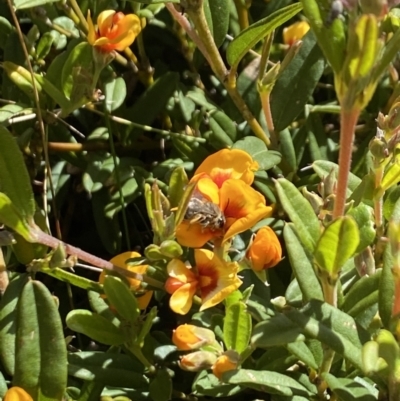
(254, 33)
(337, 244)
(237, 327)
(94, 326)
(121, 298)
(41, 355)
(300, 212)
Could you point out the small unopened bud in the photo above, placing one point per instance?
(197, 361)
(171, 249)
(188, 337)
(225, 363)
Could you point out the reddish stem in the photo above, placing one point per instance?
(45, 239)
(348, 121)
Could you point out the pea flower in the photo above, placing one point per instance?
(120, 261)
(188, 337)
(265, 251)
(224, 363)
(212, 279)
(241, 205)
(295, 32)
(17, 394)
(224, 179)
(228, 163)
(114, 30)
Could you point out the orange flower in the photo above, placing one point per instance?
(212, 279)
(295, 32)
(187, 337)
(241, 205)
(228, 163)
(265, 251)
(115, 30)
(120, 261)
(225, 363)
(17, 394)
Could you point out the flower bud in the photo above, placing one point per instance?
(226, 362)
(171, 249)
(187, 337)
(17, 394)
(265, 251)
(295, 32)
(197, 361)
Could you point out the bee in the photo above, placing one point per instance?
(208, 214)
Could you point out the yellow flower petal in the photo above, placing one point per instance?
(91, 36)
(123, 41)
(194, 235)
(243, 207)
(105, 21)
(224, 364)
(217, 278)
(181, 300)
(207, 187)
(229, 163)
(17, 394)
(295, 32)
(177, 269)
(129, 22)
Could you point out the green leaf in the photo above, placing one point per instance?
(390, 178)
(386, 288)
(111, 369)
(121, 298)
(95, 326)
(362, 295)
(301, 263)
(332, 327)
(351, 389)
(362, 47)
(151, 103)
(276, 331)
(237, 327)
(177, 185)
(77, 73)
(296, 83)
(337, 244)
(303, 353)
(223, 129)
(265, 381)
(217, 15)
(14, 178)
(115, 93)
(41, 356)
(160, 388)
(10, 217)
(257, 149)
(209, 385)
(286, 147)
(254, 33)
(331, 37)
(324, 167)
(300, 213)
(20, 4)
(8, 322)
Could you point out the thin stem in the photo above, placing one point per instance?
(117, 176)
(40, 121)
(243, 14)
(46, 239)
(265, 97)
(348, 121)
(210, 51)
(78, 12)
